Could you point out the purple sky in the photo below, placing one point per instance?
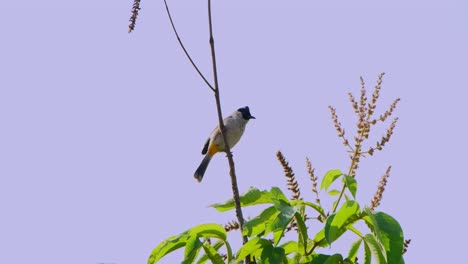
(101, 131)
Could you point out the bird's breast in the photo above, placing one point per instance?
(234, 131)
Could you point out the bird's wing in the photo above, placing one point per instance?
(216, 132)
(205, 148)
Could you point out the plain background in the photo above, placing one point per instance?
(101, 130)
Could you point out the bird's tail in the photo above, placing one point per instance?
(202, 168)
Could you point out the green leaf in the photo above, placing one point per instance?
(335, 226)
(367, 254)
(188, 237)
(290, 247)
(354, 230)
(315, 259)
(392, 236)
(329, 178)
(317, 208)
(334, 259)
(296, 259)
(253, 248)
(277, 235)
(346, 197)
(319, 238)
(281, 205)
(388, 232)
(192, 247)
(252, 197)
(351, 184)
(376, 248)
(213, 254)
(167, 246)
(281, 221)
(303, 236)
(371, 222)
(209, 231)
(272, 255)
(258, 224)
(334, 192)
(216, 246)
(352, 254)
(273, 219)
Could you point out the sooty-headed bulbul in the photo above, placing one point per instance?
(235, 126)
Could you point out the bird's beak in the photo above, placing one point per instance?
(252, 117)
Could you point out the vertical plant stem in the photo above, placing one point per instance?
(232, 170)
(353, 161)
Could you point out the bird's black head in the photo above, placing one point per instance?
(245, 113)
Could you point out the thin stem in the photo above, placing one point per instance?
(232, 171)
(314, 246)
(356, 232)
(351, 149)
(185, 51)
(365, 153)
(341, 195)
(353, 160)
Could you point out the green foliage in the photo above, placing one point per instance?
(190, 239)
(380, 241)
(336, 224)
(391, 235)
(351, 184)
(376, 248)
(210, 252)
(383, 242)
(329, 178)
(352, 254)
(252, 197)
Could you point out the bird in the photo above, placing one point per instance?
(235, 126)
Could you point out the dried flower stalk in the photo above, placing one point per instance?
(354, 104)
(386, 138)
(289, 174)
(375, 95)
(363, 98)
(364, 109)
(389, 111)
(338, 127)
(406, 245)
(233, 225)
(380, 190)
(291, 226)
(135, 9)
(314, 180)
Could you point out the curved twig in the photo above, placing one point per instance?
(185, 51)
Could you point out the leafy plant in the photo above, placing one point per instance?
(264, 235)
(382, 241)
